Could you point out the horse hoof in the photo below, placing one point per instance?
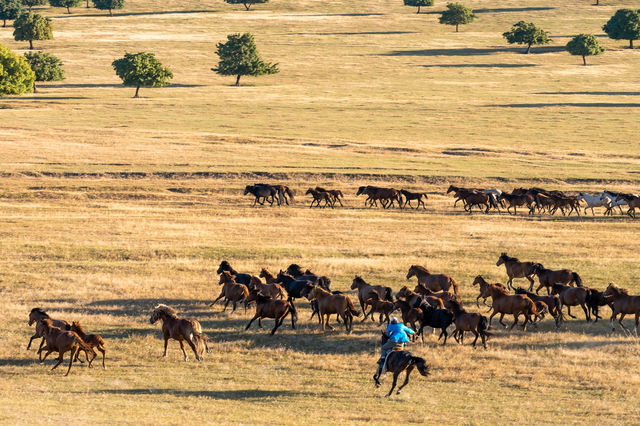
(388, 395)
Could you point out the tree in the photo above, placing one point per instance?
(141, 69)
(418, 3)
(457, 14)
(239, 56)
(31, 3)
(585, 45)
(16, 77)
(624, 25)
(10, 9)
(65, 3)
(109, 5)
(247, 3)
(31, 26)
(46, 67)
(526, 33)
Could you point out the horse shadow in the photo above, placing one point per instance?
(125, 14)
(235, 395)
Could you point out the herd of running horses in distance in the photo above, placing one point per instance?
(434, 302)
(536, 200)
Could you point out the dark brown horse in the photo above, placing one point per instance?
(267, 307)
(181, 329)
(335, 195)
(365, 291)
(382, 307)
(552, 302)
(329, 303)
(517, 269)
(517, 304)
(597, 299)
(319, 196)
(484, 290)
(63, 341)
(386, 196)
(572, 296)
(35, 316)
(623, 304)
(410, 316)
(399, 361)
(414, 196)
(92, 340)
(434, 282)
(262, 194)
(516, 201)
(467, 321)
(548, 277)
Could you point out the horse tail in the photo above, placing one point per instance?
(82, 345)
(387, 295)
(421, 365)
(352, 308)
(293, 311)
(198, 340)
(482, 325)
(577, 279)
(425, 195)
(454, 284)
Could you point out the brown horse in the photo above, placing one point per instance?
(267, 307)
(329, 303)
(231, 291)
(268, 276)
(92, 340)
(417, 196)
(518, 200)
(335, 195)
(181, 329)
(435, 299)
(516, 269)
(484, 290)
(366, 290)
(434, 282)
(466, 321)
(382, 307)
(504, 303)
(623, 304)
(399, 361)
(272, 290)
(597, 299)
(319, 196)
(552, 302)
(35, 316)
(410, 315)
(386, 196)
(548, 277)
(572, 296)
(62, 341)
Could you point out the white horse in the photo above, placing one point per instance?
(494, 194)
(616, 201)
(592, 201)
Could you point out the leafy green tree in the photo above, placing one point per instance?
(457, 14)
(526, 33)
(31, 26)
(247, 3)
(31, 3)
(624, 25)
(16, 77)
(239, 56)
(585, 45)
(109, 5)
(45, 66)
(65, 3)
(418, 3)
(141, 69)
(10, 9)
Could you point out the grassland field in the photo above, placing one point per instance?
(110, 205)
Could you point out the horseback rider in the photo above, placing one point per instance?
(397, 333)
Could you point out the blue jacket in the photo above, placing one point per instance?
(398, 332)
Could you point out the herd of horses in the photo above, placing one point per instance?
(536, 200)
(434, 302)
(539, 201)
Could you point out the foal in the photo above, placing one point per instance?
(92, 340)
(62, 341)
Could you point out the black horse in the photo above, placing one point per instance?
(264, 192)
(239, 278)
(296, 272)
(294, 288)
(436, 318)
(399, 361)
(597, 299)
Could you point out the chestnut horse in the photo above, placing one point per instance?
(231, 291)
(382, 307)
(62, 341)
(504, 303)
(573, 296)
(623, 304)
(181, 329)
(399, 361)
(329, 303)
(92, 340)
(552, 302)
(434, 282)
(516, 269)
(466, 321)
(548, 277)
(272, 290)
(484, 290)
(267, 307)
(365, 290)
(36, 315)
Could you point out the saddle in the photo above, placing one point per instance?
(397, 348)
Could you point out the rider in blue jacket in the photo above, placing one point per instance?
(397, 333)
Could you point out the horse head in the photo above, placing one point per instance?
(501, 259)
(357, 281)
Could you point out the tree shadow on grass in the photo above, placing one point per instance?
(473, 51)
(125, 14)
(479, 66)
(240, 394)
(513, 9)
(337, 14)
(360, 33)
(591, 93)
(105, 85)
(45, 98)
(18, 362)
(568, 104)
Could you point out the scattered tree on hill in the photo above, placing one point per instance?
(239, 56)
(624, 25)
(9, 10)
(418, 3)
(31, 3)
(16, 77)
(526, 33)
(457, 14)
(141, 70)
(247, 3)
(109, 5)
(31, 26)
(46, 67)
(585, 45)
(65, 3)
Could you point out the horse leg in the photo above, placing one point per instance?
(500, 320)
(510, 283)
(476, 339)
(393, 385)
(60, 357)
(35, 336)
(406, 380)
(293, 319)
(251, 321)
(531, 281)
(276, 325)
(569, 312)
(183, 351)
(74, 351)
(491, 317)
(515, 321)
(621, 324)
(166, 341)
(586, 312)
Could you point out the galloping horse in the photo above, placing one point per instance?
(484, 290)
(410, 196)
(180, 329)
(319, 196)
(267, 307)
(366, 290)
(548, 277)
(573, 296)
(62, 341)
(36, 315)
(516, 269)
(329, 303)
(92, 340)
(399, 361)
(504, 303)
(240, 278)
(552, 302)
(623, 304)
(467, 321)
(433, 282)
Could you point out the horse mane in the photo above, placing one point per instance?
(620, 290)
(167, 310)
(77, 326)
(509, 258)
(420, 268)
(227, 265)
(40, 311)
(499, 287)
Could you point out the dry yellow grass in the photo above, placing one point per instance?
(109, 205)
